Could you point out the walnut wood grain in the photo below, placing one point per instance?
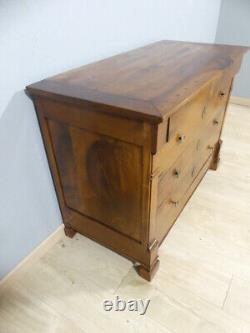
(147, 83)
(129, 138)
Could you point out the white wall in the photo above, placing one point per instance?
(44, 37)
(234, 28)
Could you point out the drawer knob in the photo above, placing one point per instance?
(181, 138)
(175, 203)
(176, 173)
(222, 94)
(215, 122)
(210, 147)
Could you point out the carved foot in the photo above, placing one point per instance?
(148, 274)
(216, 156)
(69, 232)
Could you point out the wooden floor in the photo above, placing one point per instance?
(203, 284)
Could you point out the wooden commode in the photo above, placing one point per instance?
(129, 139)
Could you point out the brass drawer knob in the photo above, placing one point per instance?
(181, 138)
(175, 203)
(176, 173)
(222, 94)
(215, 122)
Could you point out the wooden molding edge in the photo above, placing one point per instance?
(240, 100)
(32, 257)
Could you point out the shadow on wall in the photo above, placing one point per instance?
(29, 212)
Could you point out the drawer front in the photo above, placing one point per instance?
(167, 214)
(220, 92)
(186, 167)
(184, 125)
(186, 120)
(174, 182)
(189, 122)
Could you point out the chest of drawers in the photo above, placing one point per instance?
(129, 138)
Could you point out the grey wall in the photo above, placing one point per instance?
(41, 38)
(234, 28)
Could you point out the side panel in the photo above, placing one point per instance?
(102, 180)
(101, 177)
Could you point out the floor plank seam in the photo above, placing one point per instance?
(122, 280)
(227, 293)
(186, 307)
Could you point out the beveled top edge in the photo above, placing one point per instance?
(119, 104)
(111, 104)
